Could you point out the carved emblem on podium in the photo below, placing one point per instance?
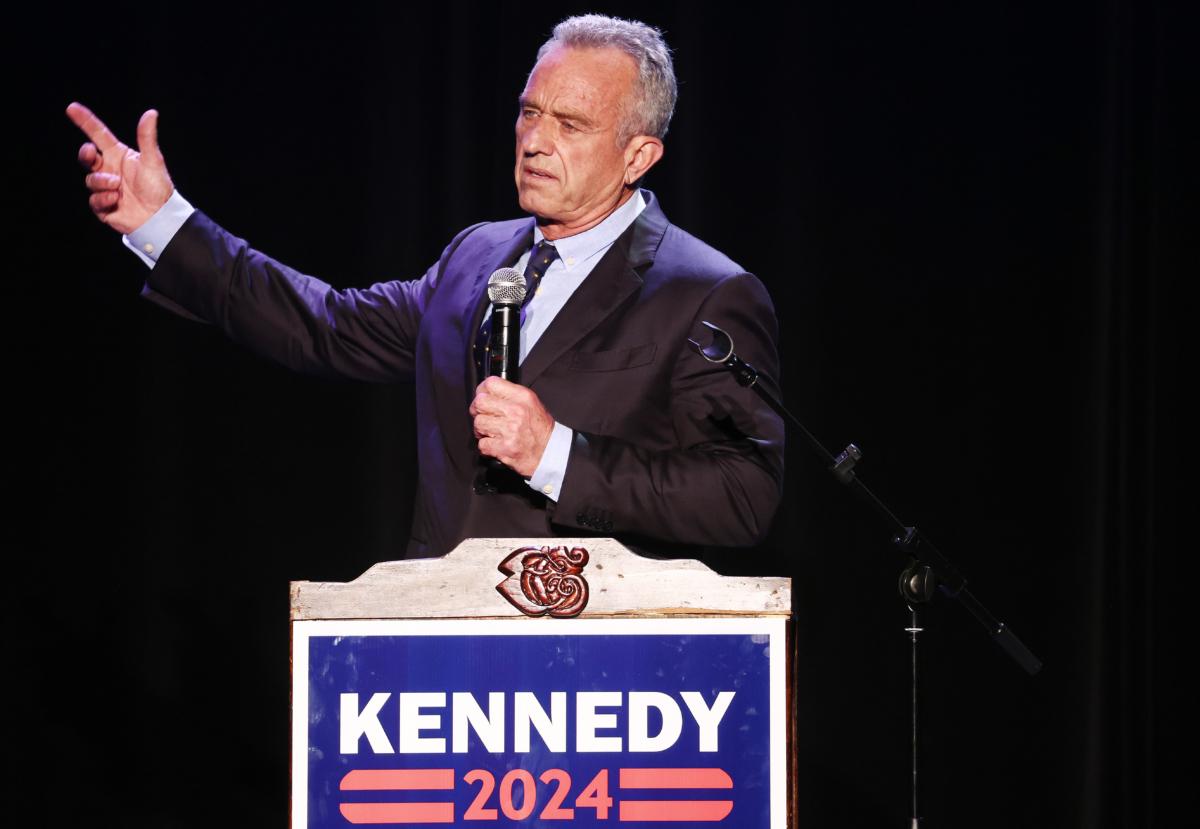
(545, 580)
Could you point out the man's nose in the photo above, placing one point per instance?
(536, 138)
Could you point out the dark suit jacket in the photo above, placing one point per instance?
(669, 454)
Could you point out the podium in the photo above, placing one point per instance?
(541, 682)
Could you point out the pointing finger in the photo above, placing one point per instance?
(92, 126)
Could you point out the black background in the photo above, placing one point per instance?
(972, 217)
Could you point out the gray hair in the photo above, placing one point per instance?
(649, 113)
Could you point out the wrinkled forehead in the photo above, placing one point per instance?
(598, 77)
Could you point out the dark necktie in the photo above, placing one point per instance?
(540, 260)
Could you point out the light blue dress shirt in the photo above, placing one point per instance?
(577, 256)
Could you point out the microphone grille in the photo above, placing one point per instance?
(506, 286)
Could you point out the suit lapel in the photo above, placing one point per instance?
(614, 279)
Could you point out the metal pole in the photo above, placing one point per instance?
(914, 630)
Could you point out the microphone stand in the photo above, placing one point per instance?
(928, 571)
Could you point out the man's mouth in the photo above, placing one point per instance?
(538, 174)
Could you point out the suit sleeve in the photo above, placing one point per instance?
(209, 274)
(723, 483)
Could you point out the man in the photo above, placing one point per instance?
(618, 429)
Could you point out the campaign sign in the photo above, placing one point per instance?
(499, 723)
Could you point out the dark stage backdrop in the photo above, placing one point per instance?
(971, 217)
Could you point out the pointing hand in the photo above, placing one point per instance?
(128, 186)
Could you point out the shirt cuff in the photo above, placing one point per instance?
(149, 240)
(548, 477)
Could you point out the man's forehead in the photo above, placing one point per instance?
(588, 70)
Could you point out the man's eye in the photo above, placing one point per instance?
(569, 127)
(529, 112)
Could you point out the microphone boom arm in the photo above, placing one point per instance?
(927, 560)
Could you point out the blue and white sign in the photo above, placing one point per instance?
(579, 723)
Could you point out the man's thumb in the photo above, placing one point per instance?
(147, 137)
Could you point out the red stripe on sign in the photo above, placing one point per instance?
(675, 779)
(398, 812)
(398, 779)
(676, 810)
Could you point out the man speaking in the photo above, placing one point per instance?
(617, 428)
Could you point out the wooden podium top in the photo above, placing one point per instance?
(496, 577)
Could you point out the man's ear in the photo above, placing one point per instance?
(641, 153)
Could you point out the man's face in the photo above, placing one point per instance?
(570, 172)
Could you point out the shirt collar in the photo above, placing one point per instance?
(574, 250)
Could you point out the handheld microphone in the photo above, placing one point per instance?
(502, 354)
(506, 290)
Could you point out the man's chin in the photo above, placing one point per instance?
(531, 204)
